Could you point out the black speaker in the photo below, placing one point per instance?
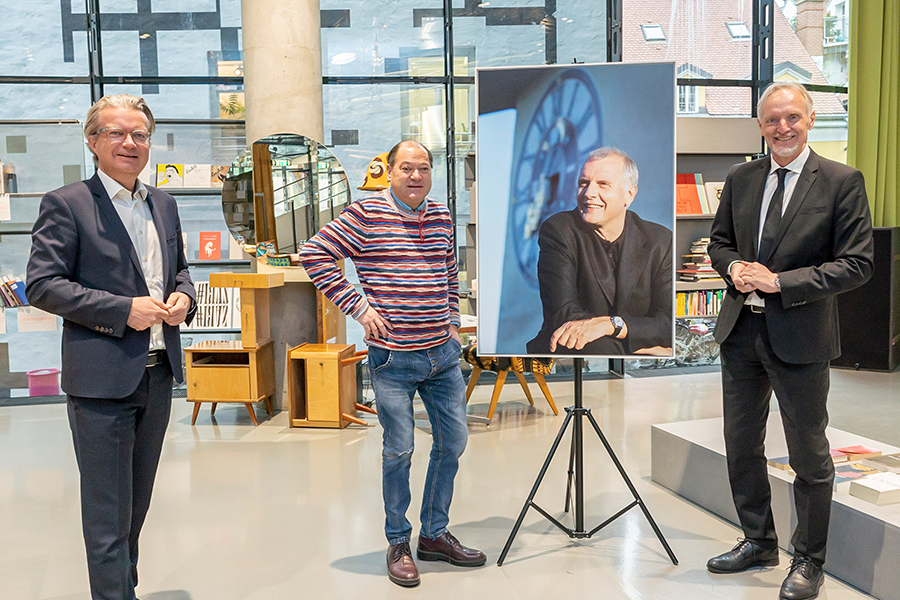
(870, 314)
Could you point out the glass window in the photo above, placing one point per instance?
(187, 101)
(810, 46)
(379, 37)
(700, 44)
(382, 115)
(43, 40)
(45, 156)
(738, 31)
(163, 39)
(43, 101)
(687, 99)
(653, 33)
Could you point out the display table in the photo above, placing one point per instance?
(226, 371)
(863, 538)
(322, 385)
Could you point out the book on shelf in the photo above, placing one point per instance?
(889, 463)
(210, 245)
(13, 291)
(217, 175)
(169, 175)
(701, 303)
(855, 453)
(196, 176)
(690, 194)
(844, 474)
(878, 488)
(714, 194)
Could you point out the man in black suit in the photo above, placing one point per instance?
(107, 256)
(792, 231)
(605, 274)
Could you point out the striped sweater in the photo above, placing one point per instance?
(405, 261)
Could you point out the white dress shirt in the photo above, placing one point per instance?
(135, 213)
(790, 183)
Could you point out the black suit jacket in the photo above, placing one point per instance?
(823, 247)
(83, 267)
(577, 283)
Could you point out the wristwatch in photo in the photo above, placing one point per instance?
(619, 324)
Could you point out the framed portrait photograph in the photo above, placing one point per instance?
(576, 210)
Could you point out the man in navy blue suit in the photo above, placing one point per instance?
(107, 256)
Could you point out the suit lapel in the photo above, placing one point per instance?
(757, 189)
(801, 190)
(114, 221)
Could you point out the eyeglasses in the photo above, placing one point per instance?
(115, 135)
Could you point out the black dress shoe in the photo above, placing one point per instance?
(804, 580)
(447, 548)
(747, 554)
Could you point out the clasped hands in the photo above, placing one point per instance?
(147, 311)
(752, 276)
(577, 334)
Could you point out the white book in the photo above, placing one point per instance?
(880, 488)
(196, 176)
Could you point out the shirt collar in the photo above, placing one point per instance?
(403, 206)
(114, 188)
(794, 166)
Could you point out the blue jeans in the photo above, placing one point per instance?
(396, 377)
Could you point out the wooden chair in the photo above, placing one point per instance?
(502, 366)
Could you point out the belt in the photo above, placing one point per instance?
(760, 310)
(156, 357)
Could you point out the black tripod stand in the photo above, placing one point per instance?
(576, 460)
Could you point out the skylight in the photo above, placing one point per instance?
(653, 33)
(738, 31)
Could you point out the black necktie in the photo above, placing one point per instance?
(773, 219)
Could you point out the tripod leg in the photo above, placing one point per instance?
(631, 487)
(534, 489)
(571, 477)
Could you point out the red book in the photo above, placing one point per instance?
(210, 245)
(687, 194)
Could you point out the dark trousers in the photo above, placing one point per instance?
(750, 372)
(117, 444)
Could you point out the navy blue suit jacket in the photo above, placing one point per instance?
(83, 267)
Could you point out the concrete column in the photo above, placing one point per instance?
(282, 68)
(283, 94)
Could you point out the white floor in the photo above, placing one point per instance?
(272, 513)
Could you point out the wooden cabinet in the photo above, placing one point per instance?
(322, 385)
(225, 371)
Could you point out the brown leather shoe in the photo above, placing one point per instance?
(447, 548)
(401, 566)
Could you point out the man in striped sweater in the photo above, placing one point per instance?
(401, 243)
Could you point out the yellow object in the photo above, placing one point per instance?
(376, 174)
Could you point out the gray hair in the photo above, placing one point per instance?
(92, 120)
(785, 85)
(629, 169)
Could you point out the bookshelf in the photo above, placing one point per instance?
(709, 146)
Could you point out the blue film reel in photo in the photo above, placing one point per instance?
(564, 128)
